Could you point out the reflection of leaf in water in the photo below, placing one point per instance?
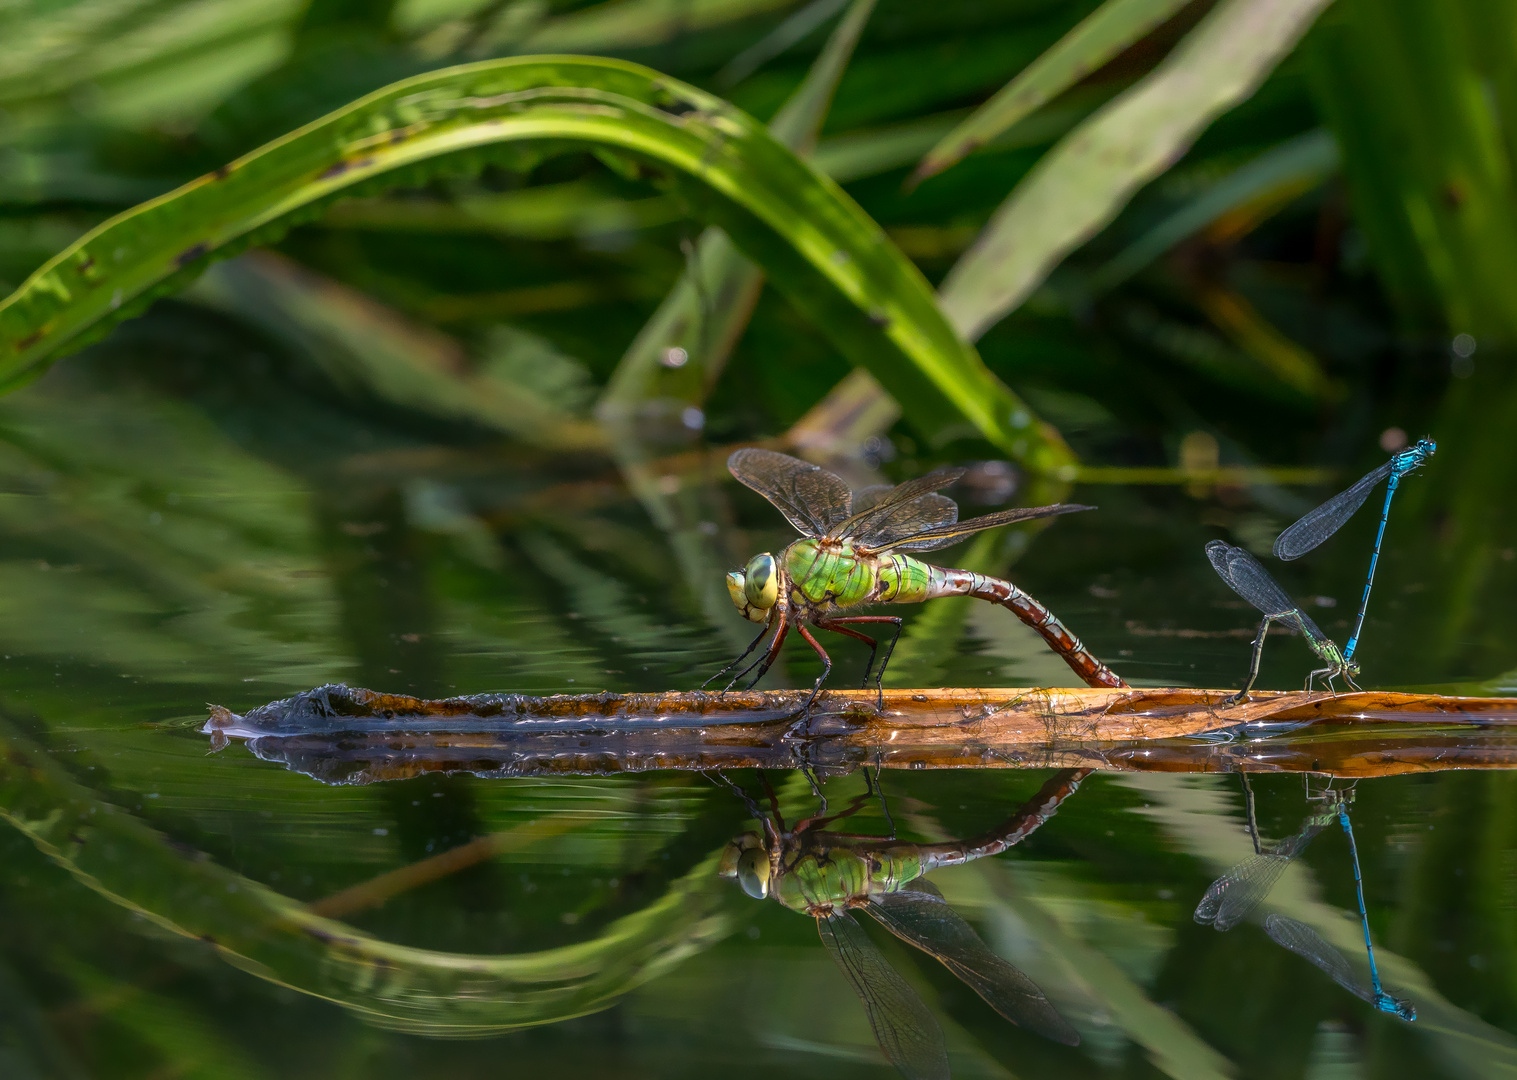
(138, 535)
(1069, 968)
(520, 358)
(187, 1040)
(371, 350)
(605, 604)
(270, 935)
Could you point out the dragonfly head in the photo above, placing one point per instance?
(747, 859)
(755, 588)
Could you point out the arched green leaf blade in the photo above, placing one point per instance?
(814, 242)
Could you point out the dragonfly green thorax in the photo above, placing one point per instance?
(854, 551)
(818, 577)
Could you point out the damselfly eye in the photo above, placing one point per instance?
(761, 584)
(753, 873)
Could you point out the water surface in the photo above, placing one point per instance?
(178, 533)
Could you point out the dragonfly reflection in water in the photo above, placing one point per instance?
(830, 875)
(853, 553)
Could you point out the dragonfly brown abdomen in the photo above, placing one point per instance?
(955, 582)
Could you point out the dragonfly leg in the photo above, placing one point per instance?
(737, 789)
(875, 788)
(879, 675)
(816, 788)
(1253, 667)
(764, 662)
(832, 624)
(826, 662)
(751, 646)
(774, 800)
(855, 804)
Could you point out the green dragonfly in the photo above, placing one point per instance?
(853, 552)
(830, 875)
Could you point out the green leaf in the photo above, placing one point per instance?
(813, 242)
(1422, 101)
(1082, 183)
(1103, 34)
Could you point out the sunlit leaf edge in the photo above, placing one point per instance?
(812, 240)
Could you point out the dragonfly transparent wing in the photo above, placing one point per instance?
(909, 519)
(1317, 525)
(950, 533)
(902, 504)
(811, 498)
(907, 1031)
(926, 920)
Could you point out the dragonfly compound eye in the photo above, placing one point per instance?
(753, 873)
(761, 584)
(736, 582)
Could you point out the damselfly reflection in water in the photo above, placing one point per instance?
(853, 553)
(1233, 897)
(831, 875)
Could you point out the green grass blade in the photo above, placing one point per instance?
(1421, 108)
(1103, 34)
(1082, 183)
(812, 241)
(630, 24)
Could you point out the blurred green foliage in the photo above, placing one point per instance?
(463, 430)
